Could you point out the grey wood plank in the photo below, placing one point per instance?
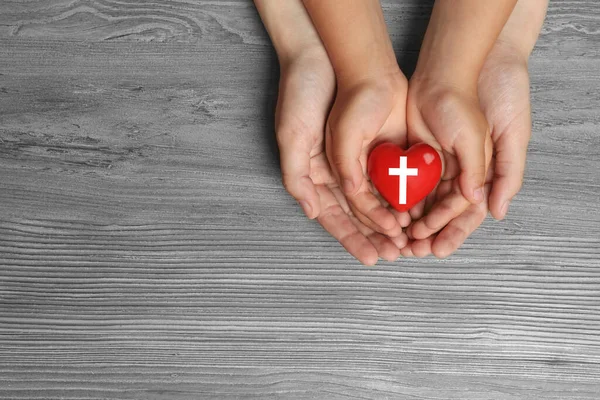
(148, 250)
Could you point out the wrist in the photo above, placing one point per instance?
(428, 92)
(289, 48)
(463, 81)
(384, 86)
(375, 63)
(290, 28)
(444, 64)
(458, 39)
(510, 52)
(289, 54)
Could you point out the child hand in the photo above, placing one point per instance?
(370, 104)
(443, 105)
(504, 98)
(451, 120)
(364, 114)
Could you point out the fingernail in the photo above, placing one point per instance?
(504, 209)
(306, 207)
(348, 186)
(478, 195)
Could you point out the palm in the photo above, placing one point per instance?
(361, 118)
(504, 96)
(441, 115)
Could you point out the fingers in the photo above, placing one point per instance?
(452, 236)
(509, 168)
(372, 212)
(406, 251)
(400, 241)
(377, 217)
(473, 151)
(459, 229)
(422, 248)
(378, 208)
(385, 247)
(418, 248)
(336, 221)
(417, 211)
(403, 218)
(449, 205)
(348, 133)
(388, 246)
(345, 160)
(455, 120)
(344, 150)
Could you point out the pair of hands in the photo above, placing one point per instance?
(315, 157)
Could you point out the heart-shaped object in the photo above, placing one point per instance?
(404, 177)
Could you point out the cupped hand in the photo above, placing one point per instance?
(307, 88)
(504, 98)
(365, 114)
(450, 119)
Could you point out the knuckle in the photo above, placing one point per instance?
(339, 160)
(454, 238)
(431, 224)
(476, 178)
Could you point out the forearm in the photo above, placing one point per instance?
(460, 35)
(289, 27)
(355, 36)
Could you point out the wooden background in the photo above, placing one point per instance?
(148, 249)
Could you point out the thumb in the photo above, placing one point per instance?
(473, 149)
(345, 148)
(353, 120)
(511, 153)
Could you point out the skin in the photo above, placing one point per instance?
(307, 89)
(503, 89)
(306, 93)
(370, 103)
(443, 106)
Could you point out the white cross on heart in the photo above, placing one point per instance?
(403, 172)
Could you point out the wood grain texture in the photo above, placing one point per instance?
(148, 250)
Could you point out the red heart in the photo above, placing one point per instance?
(420, 165)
